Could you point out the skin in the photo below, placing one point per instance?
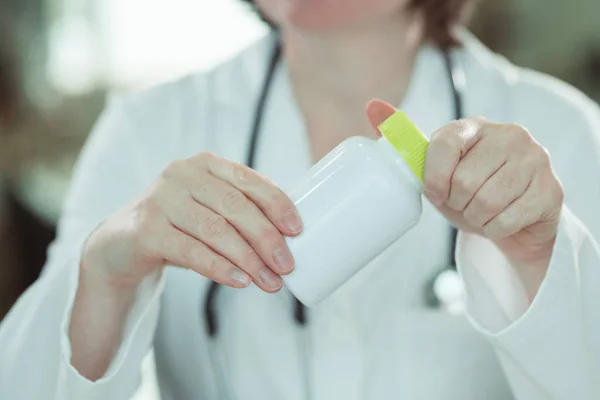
(329, 16)
(496, 181)
(227, 223)
(217, 218)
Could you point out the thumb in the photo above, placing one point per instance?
(378, 111)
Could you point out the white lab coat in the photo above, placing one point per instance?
(373, 339)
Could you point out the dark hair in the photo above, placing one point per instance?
(440, 18)
(9, 86)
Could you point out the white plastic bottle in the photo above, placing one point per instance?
(355, 202)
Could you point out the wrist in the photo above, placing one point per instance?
(531, 265)
(98, 284)
(96, 278)
(536, 256)
(102, 267)
(99, 311)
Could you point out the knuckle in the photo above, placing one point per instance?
(458, 132)
(505, 222)
(488, 203)
(242, 175)
(234, 200)
(271, 238)
(478, 119)
(552, 188)
(513, 128)
(215, 226)
(208, 161)
(204, 155)
(187, 252)
(518, 133)
(462, 124)
(448, 137)
(212, 266)
(538, 157)
(436, 182)
(544, 156)
(173, 169)
(472, 217)
(463, 181)
(252, 261)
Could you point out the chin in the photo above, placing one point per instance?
(324, 15)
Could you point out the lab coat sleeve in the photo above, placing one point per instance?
(34, 345)
(549, 347)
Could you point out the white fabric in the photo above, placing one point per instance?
(373, 339)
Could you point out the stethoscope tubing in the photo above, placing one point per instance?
(456, 82)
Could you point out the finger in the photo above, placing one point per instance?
(179, 249)
(247, 219)
(215, 231)
(377, 112)
(473, 170)
(521, 213)
(497, 193)
(447, 146)
(275, 204)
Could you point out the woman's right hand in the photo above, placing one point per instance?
(218, 218)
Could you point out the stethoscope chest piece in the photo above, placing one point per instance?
(449, 289)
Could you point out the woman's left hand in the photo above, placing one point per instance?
(494, 180)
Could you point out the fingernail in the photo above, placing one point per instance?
(271, 280)
(284, 259)
(239, 278)
(292, 221)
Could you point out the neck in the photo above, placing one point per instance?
(335, 74)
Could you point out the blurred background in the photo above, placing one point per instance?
(59, 58)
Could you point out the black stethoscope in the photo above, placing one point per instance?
(456, 81)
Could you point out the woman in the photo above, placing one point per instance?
(161, 183)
